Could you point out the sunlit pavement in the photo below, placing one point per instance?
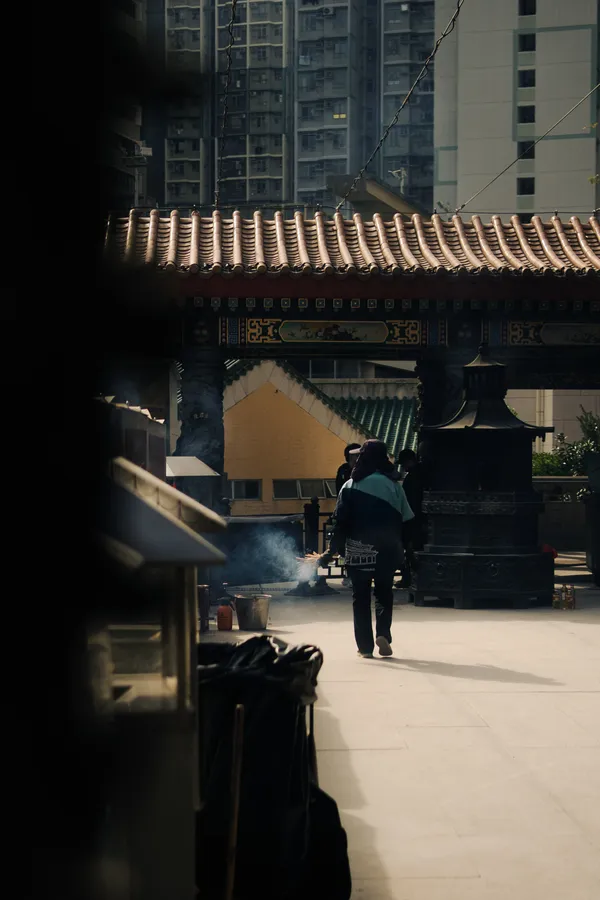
(466, 767)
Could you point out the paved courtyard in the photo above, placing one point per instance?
(466, 767)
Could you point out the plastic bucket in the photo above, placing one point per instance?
(252, 611)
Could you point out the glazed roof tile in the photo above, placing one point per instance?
(337, 246)
(390, 419)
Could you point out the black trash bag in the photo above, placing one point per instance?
(275, 683)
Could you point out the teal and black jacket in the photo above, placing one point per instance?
(368, 520)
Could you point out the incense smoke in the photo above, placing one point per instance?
(263, 555)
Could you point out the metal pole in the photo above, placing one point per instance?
(236, 781)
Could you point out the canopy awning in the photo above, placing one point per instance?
(188, 466)
(138, 531)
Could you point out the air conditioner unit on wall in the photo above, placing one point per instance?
(328, 11)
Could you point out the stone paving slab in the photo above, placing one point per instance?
(467, 766)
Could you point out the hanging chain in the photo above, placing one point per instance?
(447, 30)
(225, 105)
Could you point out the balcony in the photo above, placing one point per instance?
(273, 167)
(184, 129)
(320, 149)
(267, 124)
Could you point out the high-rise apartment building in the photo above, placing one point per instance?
(504, 76)
(257, 153)
(180, 38)
(121, 163)
(311, 83)
(406, 40)
(330, 75)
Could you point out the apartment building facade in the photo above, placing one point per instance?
(256, 168)
(331, 70)
(505, 75)
(121, 163)
(306, 100)
(406, 40)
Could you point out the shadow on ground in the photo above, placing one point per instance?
(343, 786)
(477, 673)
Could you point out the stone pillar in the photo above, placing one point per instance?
(430, 372)
(202, 428)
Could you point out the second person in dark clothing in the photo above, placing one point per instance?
(345, 470)
(368, 520)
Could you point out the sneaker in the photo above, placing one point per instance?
(385, 648)
(365, 655)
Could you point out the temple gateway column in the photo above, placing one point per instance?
(440, 388)
(201, 414)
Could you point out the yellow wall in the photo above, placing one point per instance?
(269, 436)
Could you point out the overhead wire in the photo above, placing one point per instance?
(526, 150)
(425, 68)
(223, 133)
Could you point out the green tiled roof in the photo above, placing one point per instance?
(390, 419)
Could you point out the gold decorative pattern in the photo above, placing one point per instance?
(406, 332)
(263, 331)
(524, 334)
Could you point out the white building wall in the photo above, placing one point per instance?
(567, 406)
(477, 99)
(559, 409)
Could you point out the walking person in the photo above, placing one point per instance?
(343, 474)
(368, 519)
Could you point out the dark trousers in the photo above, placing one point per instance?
(384, 604)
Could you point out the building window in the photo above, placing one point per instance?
(525, 187)
(527, 7)
(260, 10)
(330, 487)
(246, 490)
(526, 42)
(285, 489)
(322, 368)
(525, 150)
(308, 141)
(312, 487)
(347, 368)
(258, 54)
(526, 78)
(258, 188)
(258, 33)
(526, 114)
(338, 109)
